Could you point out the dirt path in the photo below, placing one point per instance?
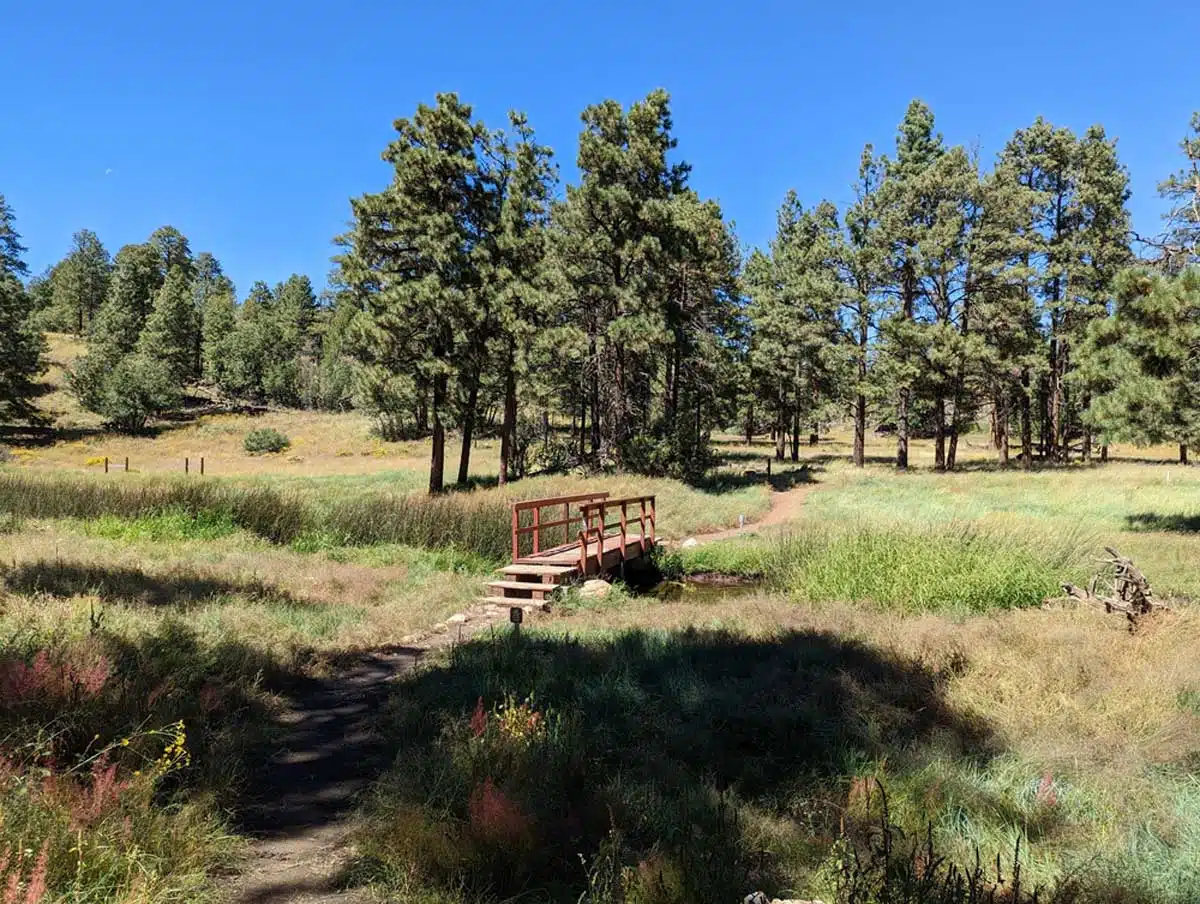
(785, 506)
(301, 815)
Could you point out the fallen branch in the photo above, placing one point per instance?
(1131, 593)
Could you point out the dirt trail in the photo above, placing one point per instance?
(305, 792)
(785, 506)
(308, 785)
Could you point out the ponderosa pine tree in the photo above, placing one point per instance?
(1181, 244)
(135, 281)
(413, 261)
(906, 216)
(208, 282)
(525, 182)
(250, 345)
(794, 297)
(862, 261)
(1141, 364)
(170, 332)
(80, 282)
(218, 326)
(20, 342)
(288, 333)
(610, 236)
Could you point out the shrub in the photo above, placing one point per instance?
(138, 388)
(265, 439)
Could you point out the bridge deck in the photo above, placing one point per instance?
(569, 554)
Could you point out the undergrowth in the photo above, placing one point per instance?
(934, 568)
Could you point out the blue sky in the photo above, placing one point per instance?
(249, 124)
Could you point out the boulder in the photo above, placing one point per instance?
(595, 589)
(689, 543)
(458, 619)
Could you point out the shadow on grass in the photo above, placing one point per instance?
(1156, 521)
(133, 585)
(661, 741)
(779, 480)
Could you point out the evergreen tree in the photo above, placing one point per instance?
(1141, 363)
(1182, 190)
(611, 236)
(218, 326)
(524, 180)
(20, 342)
(250, 346)
(81, 281)
(907, 213)
(412, 258)
(862, 259)
(170, 332)
(288, 334)
(209, 282)
(134, 284)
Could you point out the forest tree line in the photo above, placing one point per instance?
(617, 323)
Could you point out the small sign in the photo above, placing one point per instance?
(516, 615)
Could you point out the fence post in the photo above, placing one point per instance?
(186, 466)
(126, 464)
(105, 464)
(201, 465)
(768, 465)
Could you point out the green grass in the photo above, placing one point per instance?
(949, 568)
(173, 523)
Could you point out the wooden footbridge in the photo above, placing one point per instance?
(561, 539)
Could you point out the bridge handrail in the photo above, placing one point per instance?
(535, 506)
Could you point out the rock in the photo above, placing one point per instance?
(595, 589)
(440, 628)
(689, 543)
(755, 897)
(458, 619)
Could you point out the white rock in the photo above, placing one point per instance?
(458, 619)
(689, 543)
(595, 589)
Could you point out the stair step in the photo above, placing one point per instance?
(535, 586)
(544, 570)
(510, 601)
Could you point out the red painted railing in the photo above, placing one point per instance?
(538, 524)
(597, 527)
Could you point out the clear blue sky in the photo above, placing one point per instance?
(248, 124)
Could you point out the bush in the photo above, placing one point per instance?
(265, 439)
(127, 395)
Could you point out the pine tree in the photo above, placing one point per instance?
(81, 281)
(209, 282)
(1182, 189)
(131, 290)
(524, 180)
(908, 213)
(20, 343)
(170, 332)
(250, 347)
(862, 260)
(218, 325)
(412, 259)
(287, 333)
(1141, 363)
(609, 241)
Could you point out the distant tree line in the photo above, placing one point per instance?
(617, 322)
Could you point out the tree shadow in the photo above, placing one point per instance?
(659, 740)
(133, 585)
(778, 480)
(1155, 521)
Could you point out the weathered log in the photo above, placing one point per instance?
(1131, 593)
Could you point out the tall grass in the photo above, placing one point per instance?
(474, 521)
(949, 567)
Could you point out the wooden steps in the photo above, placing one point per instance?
(539, 570)
(526, 586)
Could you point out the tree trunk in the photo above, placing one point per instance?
(437, 462)
(468, 430)
(902, 430)
(939, 434)
(1000, 427)
(1183, 453)
(796, 435)
(860, 430)
(508, 429)
(780, 432)
(1026, 424)
(814, 437)
(1104, 452)
(750, 424)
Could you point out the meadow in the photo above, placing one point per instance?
(694, 745)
